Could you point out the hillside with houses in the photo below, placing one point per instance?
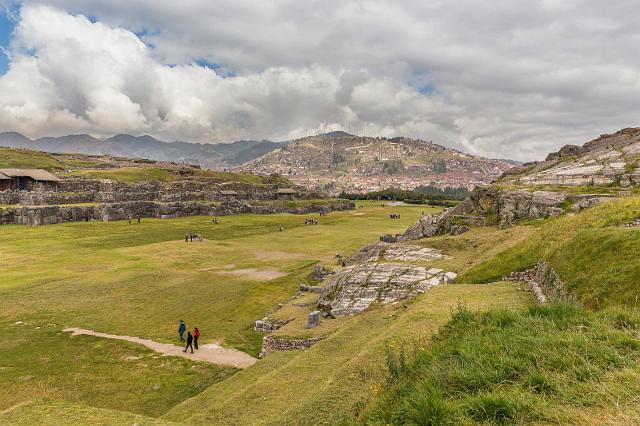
(338, 161)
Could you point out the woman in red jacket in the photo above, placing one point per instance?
(196, 336)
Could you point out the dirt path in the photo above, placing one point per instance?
(209, 352)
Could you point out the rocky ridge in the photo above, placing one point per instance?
(493, 206)
(608, 159)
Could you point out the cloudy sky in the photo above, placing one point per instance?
(512, 79)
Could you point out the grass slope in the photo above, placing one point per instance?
(25, 159)
(335, 379)
(53, 412)
(594, 255)
(555, 364)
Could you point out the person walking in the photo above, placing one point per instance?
(181, 329)
(196, 336)
(189, 342)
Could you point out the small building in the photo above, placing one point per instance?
(29, 180)
(286, 193)
(5, 182)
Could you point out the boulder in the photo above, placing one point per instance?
(314, 319)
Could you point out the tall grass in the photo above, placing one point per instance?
(539, 364)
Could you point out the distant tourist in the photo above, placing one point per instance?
(138, 219)
(189, 342)
(186, 238)
(196, 336)
(181, 329)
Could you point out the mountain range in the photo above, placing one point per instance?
(213, 156)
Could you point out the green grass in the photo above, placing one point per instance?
(556, 364)
(39, 361)
(55, 412)
(591, 252)
(334, 380)
(139, 280)
(166, 175)
(129, 174)
(25, 159)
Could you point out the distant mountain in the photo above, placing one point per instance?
(214, 156)
(339, 161)
(611, 159)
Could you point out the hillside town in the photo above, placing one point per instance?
(340, 162)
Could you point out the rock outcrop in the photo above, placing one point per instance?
(487, 206)
(357, 287)
(394, 252)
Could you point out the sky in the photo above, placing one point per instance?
(513, 79)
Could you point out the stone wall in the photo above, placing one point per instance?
(279, 344)
(545, 283)
(47, 215)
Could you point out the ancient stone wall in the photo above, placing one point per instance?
(46, 215)
(271, 343)
(545, 283)
(9, 197)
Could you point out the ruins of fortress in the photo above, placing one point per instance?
(35, 197)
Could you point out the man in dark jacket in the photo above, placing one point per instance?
(181, 329)
(189, 342)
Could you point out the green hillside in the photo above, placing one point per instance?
(24, 159)
(554, 364)
(122, 169)
(591, 251)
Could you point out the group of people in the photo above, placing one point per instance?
(132, 218)
(394, 216)
(310, 222)
(191, 237)
(191, 340)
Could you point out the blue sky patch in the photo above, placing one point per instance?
(6, 28)
(427, 90)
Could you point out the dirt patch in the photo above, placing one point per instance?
(218, 268)
(266, 274)
(278, 255)
(283, 255)
(210, 352)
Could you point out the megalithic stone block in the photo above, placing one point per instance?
(314, 319)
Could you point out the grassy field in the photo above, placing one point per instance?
(139, 280)
(165, 175)
(475, 352)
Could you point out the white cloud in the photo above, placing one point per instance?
(512, 79)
